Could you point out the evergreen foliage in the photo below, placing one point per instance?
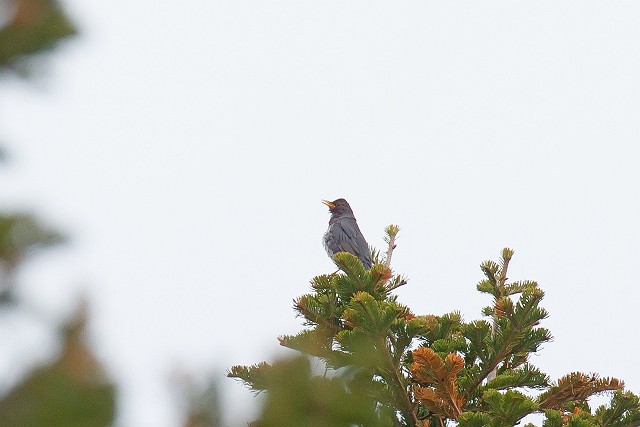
(72, 389)
(387, 366)
(35, 26)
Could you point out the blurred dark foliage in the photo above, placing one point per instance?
(201, 402)
(297, 397)
(72, 389)
(34, 26)
(21, 235)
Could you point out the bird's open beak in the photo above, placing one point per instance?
(328, 203)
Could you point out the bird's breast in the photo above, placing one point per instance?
(326, 238)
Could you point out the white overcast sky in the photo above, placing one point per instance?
(185, 147)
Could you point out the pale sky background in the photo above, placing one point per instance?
(185, 147)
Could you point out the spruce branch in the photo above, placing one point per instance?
(315, 342)
(408, 407)
(304, 308)
(391, 232)
(254, 376)
(507, 254)
(576, 386)
(526, 315)
(526, 376)
(437, 381)
(624, 410)
(396, 283)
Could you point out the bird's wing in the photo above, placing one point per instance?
(337, 239)
(348, 238)
(364, 253)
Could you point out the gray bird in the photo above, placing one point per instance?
(343, 234)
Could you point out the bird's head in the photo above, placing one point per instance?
(338, 207)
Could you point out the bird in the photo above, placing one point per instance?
(343, 234)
